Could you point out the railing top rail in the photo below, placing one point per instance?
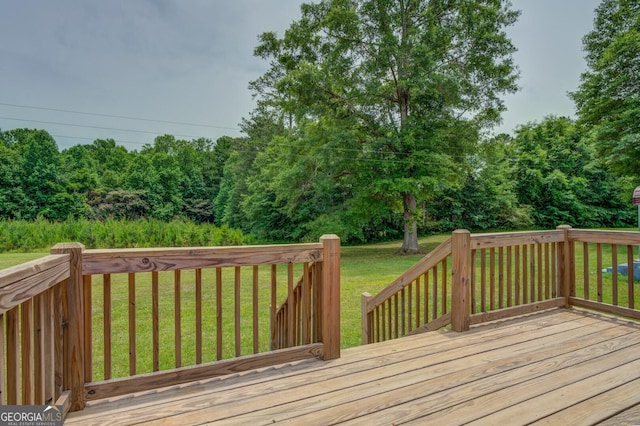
(20, 283)
(17, 273)
(605, 236)
(168, 259)
(429, 261)
(504, 239)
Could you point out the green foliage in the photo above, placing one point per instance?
(385, 97)
(19, 235)
(558, 174)
(608, 99)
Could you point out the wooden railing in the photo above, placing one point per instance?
(495, 276)
(418, 300)
(100, 323)
(295, 321)
(590, 286)
(38, 331)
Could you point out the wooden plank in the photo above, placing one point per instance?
(434, 292)
(501, 296)
(198, 316)
(255, 313)
(106, 325)
(13, 356)
(160, 379)
(49, 345)
(604, 307)
(73, 319)
(585, 271)
(630, 277)
(599, 270)
(509, 277)
(515, 311)
(492, 278)
(340, 395)
(3, 364)
(630, 416)
(614, 274)
(237, 317)
(461, 280)
(504, 239)
(605, 237)
(169, 259)
(155, 322)
(516, 262)
(88, 342)
(218, 314)
(574, 392)
(132, 324)
(39, 348)
(16, 292)
(483, 280)
(520, 387)
(290, 306)
(434, 325)
(445, 279)
(177, 317)
(599, 408)
(418, 302)
(26, 352)
(525, 274)
(58, 339)
(425, 297)
(274, 304)
(27, 270)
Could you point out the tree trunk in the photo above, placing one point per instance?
(410, 243)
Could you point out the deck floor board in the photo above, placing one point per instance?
(556, 367)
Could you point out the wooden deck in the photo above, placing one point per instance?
(556, 367)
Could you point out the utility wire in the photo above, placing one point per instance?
(119, 116)
(93, 127)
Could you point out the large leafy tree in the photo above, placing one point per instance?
(414, 80)
(608, 99)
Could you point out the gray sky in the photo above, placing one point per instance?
(190, 61)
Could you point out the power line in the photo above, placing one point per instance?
(94, 127)
(119, 116)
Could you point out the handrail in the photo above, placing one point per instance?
(604, 290)
(64, 313)
(501, 274)
(403, 306)
(432, 259)
(33, 312)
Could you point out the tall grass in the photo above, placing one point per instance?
(23, 236)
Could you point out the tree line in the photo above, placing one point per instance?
(370, 123)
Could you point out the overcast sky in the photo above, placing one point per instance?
(133, 69)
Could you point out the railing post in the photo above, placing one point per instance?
(331, 296)
(73, 326)
(366, 338)
(461, 278)
(566, 254)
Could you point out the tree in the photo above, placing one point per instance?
(487, 198)
(415, 80)
(558, 174)
(608, 99)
